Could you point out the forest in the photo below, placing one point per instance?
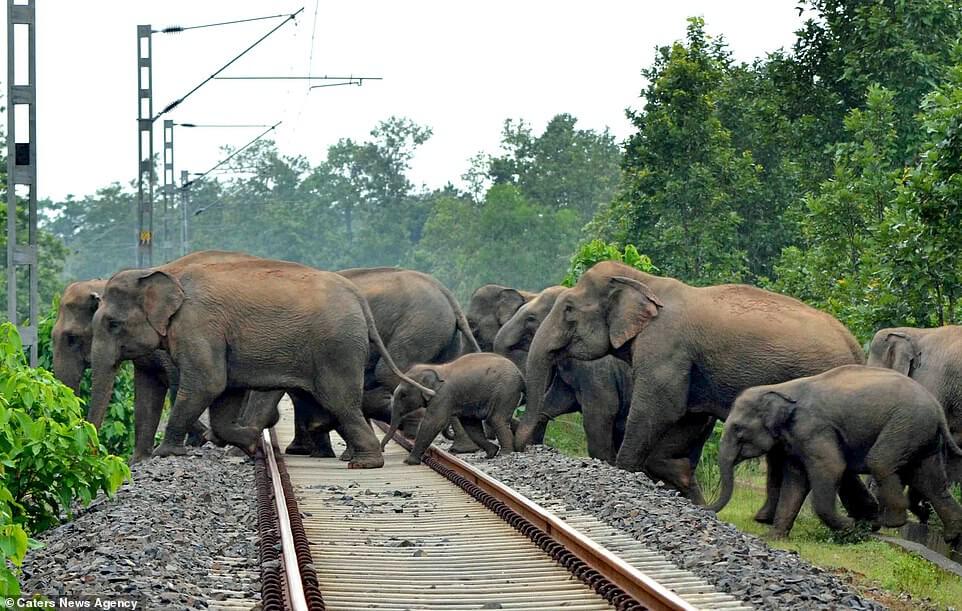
(831, 171)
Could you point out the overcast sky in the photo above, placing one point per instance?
(459, 67)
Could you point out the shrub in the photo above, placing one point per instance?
(596, 251)
(50, 457)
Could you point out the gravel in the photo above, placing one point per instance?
(690, 536)
(181, 534)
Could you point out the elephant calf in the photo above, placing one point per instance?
(851, 419)
(474, 388)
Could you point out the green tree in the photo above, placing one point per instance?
(682, 179)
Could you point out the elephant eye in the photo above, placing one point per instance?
(113, 324)
(71, 339)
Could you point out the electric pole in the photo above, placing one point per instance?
(184, 243)
(169, 185)
(22, 164)
(145, 147)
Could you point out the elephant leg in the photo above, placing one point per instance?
(892, 501)
(500, 423)
(655, 408)
(303, 443)
(197, 435)
(794, 489)
(149, 393)
(223, 420)
(775, 463)
(857, 499)
(435, 418)
(462, 444)
(323, 448)
(475, 430)
(675, 472)
(537, 434)
(825, 466)
(341, 393)
(929, 479)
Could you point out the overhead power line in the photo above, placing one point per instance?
(228, 158)
(175, 29)
(220, 125)
(177, 102)
(299, 78)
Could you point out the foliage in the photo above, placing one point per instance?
(117, 431)
(681, 176)
(50, 457)
(596, 251)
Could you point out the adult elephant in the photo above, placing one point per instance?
(490, 307)
(155, 375)
(232, 326)
(933, 358)
(420, 321)
(601, 390)
(692, 350)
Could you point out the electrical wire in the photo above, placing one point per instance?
(175, 29)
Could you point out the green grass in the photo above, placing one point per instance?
(869, 563)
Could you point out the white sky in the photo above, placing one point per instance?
(459, 67)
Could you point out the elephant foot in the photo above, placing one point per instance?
(893, 518)
(211, 437)
(777, 533)
(765, 515)
(491, 453)
(347, 455)
(137, 457)
(169, 449)
(236, 451)
(298, 449)
(372, 462)
(322, 453)
(411, 460)
(464, 447)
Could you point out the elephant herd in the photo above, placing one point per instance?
(652, 364)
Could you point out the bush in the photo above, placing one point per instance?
(596, 251)
(117, 432)
(50, 457)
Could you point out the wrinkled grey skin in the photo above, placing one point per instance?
(490, 307)
(475, 388)
(420, 321)
(155, 375)
(692, 350)
(239, 325)
(601, 390)
(851, 419)
(933, 358)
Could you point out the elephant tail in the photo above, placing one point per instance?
(949, 440)
(375, 337)
(462, 320)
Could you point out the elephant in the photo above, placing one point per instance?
(420, 321)
(601, 390)
(154, 375)
(932, 357)
(490, 307)
(245, 324)
(851, 419)
(474, 388)
(691, 350)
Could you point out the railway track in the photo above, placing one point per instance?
(443, 536)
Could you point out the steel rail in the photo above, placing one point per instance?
(630, 580)
(292, 569)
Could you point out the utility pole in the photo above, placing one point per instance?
(169, 184)
(184, 240)
(22, 164)
(145, 147)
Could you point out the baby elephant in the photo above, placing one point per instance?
(476, 387)
(852, 419)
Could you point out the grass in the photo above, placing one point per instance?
(868, 564)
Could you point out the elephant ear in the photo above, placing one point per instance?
(631, 307)
(509, 301)
(430, 378)
(162, 297)
(779, 410)
(901, 353)
(93, 301)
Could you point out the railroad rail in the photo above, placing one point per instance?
(405, 537)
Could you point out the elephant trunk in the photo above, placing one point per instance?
(506, 339)
(727, 459)
(395, 423)
(104, 365)
(539, 372)
(68, 368)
